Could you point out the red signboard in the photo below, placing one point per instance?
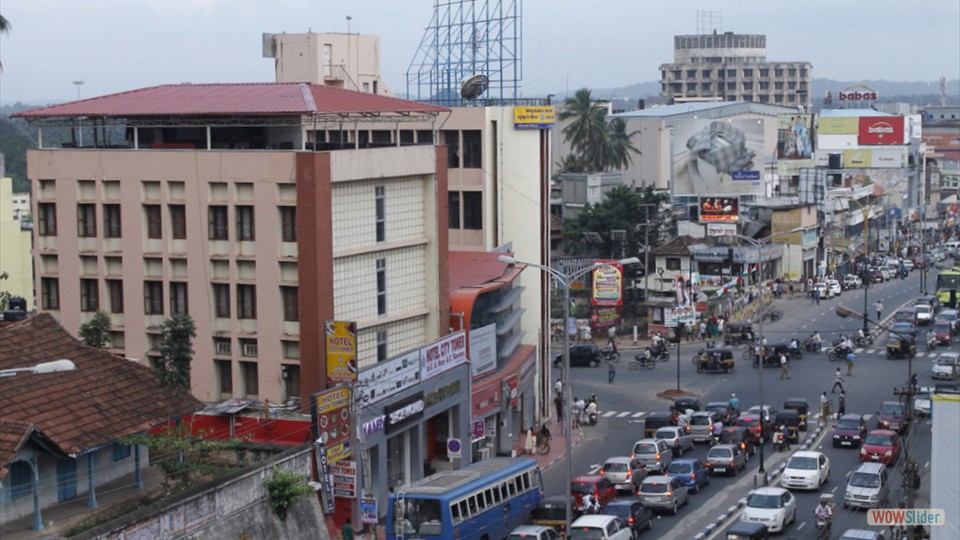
(881, 130)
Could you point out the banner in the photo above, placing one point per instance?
(718, 157)
(483, 349)
(443, 355)
(881, 130)
(385, 379)
(608, 284)
(721, 229)
(674, 316)
(341, 347)
(722, 209)
(330, 411)
(793, 136)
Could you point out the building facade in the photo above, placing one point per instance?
(16, 264)
(349, 61)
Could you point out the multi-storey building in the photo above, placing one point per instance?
(16, 266)
(733, 67)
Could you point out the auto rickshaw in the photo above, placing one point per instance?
(715, 360)
(746, 530)
(802, 406)
(736, 333)
(901, 347)
(771, 358)
(784, 347)
(552, 512)
(791, 419)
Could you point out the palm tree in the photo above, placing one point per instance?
(587, 129)
(4, 28)
(621, 147)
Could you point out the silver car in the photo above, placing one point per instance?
(701, 425)
(679, 439)
(664, 492)
(625, 473)
(655, 454)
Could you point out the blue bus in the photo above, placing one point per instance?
(484, 501)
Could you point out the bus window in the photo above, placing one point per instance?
(481, 502)
(503, 491)
(455, 513)
(496, 494)
(512, 488)
(526, 481)
(519, 483)
(464, 511)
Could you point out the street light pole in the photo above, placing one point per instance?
(865, 213)
(565, 280)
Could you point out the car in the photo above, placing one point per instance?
(656, 420)
(663, 492)
(892, 416)
(852, 281)
(751, 422)
(600, 487)
(655, 454)
(906, 315)
(924, 314)
(625, 473)
(945, 367)
(773, 506)
(741, 530)
(701, 425)
(587, 354)
(769, 413)
(951, 316)
(905, 329)
(849, 431)
(599, 527)
(822, 288)
(728, 415)
(888, 273)
(692, 472)
(908, 264)
(930, 300)
(922, 401)
(740, 437)
(882, 446)
(685, 403)
(834, 287)
(861, 534)
(877, 276)
(678, 439)
(942, 333)
(867, 487)
(806, 470)
(726, 459)
(637, 516)
(534, 532)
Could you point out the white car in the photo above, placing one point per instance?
(806, 470)
(946, 366)
(851, 281)
(824, 290)
(833, 286)
(774, 507)
(921, 401)
(908, 264)
(599, 527)
(924, 313)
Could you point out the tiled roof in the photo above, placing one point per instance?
(103, 399)
(678, 246)
(233, 99)
(12, 435)
(474, 268)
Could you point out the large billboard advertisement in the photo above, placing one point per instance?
(838, 125)
(719, 209)
(881, 130)
(793, 136)
(717, 157)
(608, 284)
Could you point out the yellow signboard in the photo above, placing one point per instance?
(846, 125)
(341, 345)
(534, 117)
(857, 159)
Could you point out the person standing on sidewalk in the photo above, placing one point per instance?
(558, 403)
(878, 306)
(837, 381)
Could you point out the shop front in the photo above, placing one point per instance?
(504, 406)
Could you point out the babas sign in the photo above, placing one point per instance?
(880, 130)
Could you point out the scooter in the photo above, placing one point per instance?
(823, 528)
(779, 443)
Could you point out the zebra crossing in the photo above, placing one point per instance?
(636, 415)
(881, 350)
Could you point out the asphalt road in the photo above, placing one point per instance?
(633, 394)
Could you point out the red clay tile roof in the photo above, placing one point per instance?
(233, 99)
(474, 268)
(12, 436)
(104, 399)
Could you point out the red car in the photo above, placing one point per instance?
(752, 424)
(602, 489)
(941, 331)
(882, 446)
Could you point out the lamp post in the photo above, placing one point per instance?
(865, 213)
(565, 280)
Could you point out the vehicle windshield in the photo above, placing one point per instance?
(586, 533)
(946, 360)
(679, 468)
(891, 408)
(659, 487)
(922, 308)
(581, 487)
(802, 463)
(614, 467)
(942, 328)
(666, 434)
(409, 513)
(700, 421)
(764, 501)
(948, 316)
(860, 479)
(645, 448)
(848, 425)
(879, 440)
(719, 453)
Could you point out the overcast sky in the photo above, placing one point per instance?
(118, 45)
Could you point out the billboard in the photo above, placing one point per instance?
(534, 117)
(838, 125)
(442, 355)
(331, 418)
(341, 346)
(880, 130)
(875, 158)
(717, 157)
(608, 284)
(793, 136)
(721, 229)
(483, 349)
(385, 379)
(719, 209)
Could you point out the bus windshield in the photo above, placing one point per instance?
(412, 514)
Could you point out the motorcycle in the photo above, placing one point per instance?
(823, 528)
(864, 341)
(812, 346)
(609, 354)
(837, 354)
(778, 442)
(643, 361)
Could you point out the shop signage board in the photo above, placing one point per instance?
(443, 355)
(344, 475)
(721, 229)
(476, 431)
(385, 379)
(608, 283)
(368, 510)
(483, 349)
(404, 412)
(340, 338)
(534, 117)
(326, 479)
(330, 411)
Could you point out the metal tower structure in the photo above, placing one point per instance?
(470, 54)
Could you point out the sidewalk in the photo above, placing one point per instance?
(558, 443)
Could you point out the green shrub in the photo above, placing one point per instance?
(285, 488)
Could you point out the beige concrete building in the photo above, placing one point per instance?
(349, 61)
(16, 265)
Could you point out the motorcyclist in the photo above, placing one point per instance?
(590, 504)
(816, 342)
(593, 409)
(795, 346)
(824, 511)
(717, 430)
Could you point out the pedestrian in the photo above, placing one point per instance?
(816, 295)
(842, 404)
(611, 372)
(346, 532)
(558, 387)
(720, 324)
(851, 358)
(878, 306)
(703, 331)
(784, 367)
(576, 409)
(558, 403)
(824, 407)
(530, 442)
(786, 436)
(837, 381)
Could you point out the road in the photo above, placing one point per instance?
(634, 394)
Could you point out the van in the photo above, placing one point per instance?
(867, 487)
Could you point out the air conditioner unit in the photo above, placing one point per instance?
(485, 452)
(223, 347)
(249, 349)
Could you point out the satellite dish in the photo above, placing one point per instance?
(474, 86)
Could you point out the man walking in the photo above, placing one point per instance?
(878, 306)
(842, 404)
(824, 407)
(784, 367)
(851, 358)
(558, 387)
(837, 381)
(558, 403)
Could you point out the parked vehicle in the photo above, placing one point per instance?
(585, 355)
(825, 292)
(867, 487)
(663, 492)
(834, 287)
(726, 459)
(850, 431)
(692, 472)
(600, 527)
(774, 507)
(626, 473)
(806, 470)
(637, 516)
(881, 445)
(677, 438)
(653, 453)
(888, 273)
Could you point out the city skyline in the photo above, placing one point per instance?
(53, 45)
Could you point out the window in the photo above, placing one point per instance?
(452, 139)
(245, 225)
(382, 346)
(472, 149)
(86, 220)
(291, 303)
(178, 298)
(222, 346)
(217, 221)
(381, 286)
(153, 297)
(47, 219)
(111, 221)
(673, 263)
(453, 212)
(178, 221)
(89, 295)
(121, 451)
(224, 376)
(381, 203)
(291, 380)
(154, 221)
(221, 300)
(472, 210)
(115, 292)
(288, 223)
(50, 293)
(251, 386)
(246, 301)
(21, 479)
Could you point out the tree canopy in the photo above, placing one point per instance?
(96, 331)
(176, 352)
(597, 145)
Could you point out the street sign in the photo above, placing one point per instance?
(454, 448)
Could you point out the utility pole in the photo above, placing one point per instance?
(910, 470)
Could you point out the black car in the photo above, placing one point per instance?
(637, 516)
(657, 420)
(850, 430)
(728, 415)
(741, 437)
(681, 404)
(580, 356)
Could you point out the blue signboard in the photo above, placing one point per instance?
(745, 175)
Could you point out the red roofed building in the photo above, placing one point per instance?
(61, 430)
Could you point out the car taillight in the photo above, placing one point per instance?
(687, 428)
(630, 520)
(693, 475)
(669, 494)
(708, 464)
(601, 472)
(658, 456)
(731, 464)
(629, 474)
(743, 445)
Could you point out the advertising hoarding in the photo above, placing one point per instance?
(793, 136)
(717, 157)
(719, 209)
(534, 117)
(483, 349)
(443, 355)
(385, 379)
(341, 346)
(330, 411)
(674, 316)
(607, 284)
(838, 125)
(721, 229)
(881, 130)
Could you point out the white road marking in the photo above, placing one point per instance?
(858, 351)
(835, 488)
(608, 414)
(801, 525)
(639, 414)
(621, 415)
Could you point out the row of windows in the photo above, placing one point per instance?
(464, 149)
(745, 73)
(217, 221)
(478, 502)
(249, 379)
(21, 473)
(747, 86)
